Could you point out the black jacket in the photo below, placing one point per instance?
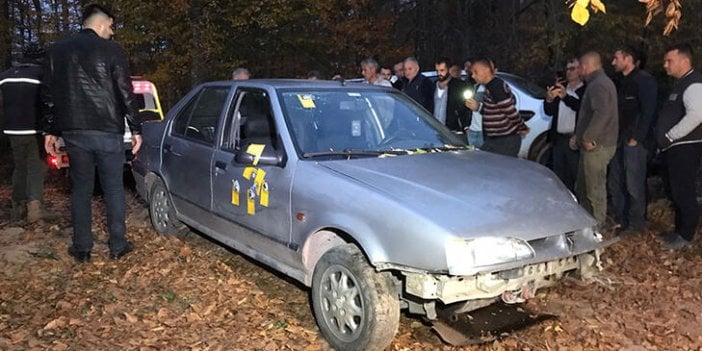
(457, 114)
(637, 94)
(421, 90)
(87, 86)
(20, 97)
(551, 109)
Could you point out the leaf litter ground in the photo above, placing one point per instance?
(189, 293)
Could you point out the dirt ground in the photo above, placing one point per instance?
(188, 293)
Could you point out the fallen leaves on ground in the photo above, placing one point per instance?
(189, 293)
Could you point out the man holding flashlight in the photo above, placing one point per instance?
(449, 108)
(503, 127)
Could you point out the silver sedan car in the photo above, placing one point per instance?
(358, 193)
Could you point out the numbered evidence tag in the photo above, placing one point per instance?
(249, 172)
(235, 192)
(251, 200)
(259, 179)
(264, 194)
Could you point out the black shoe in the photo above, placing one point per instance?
(127, 249)
(79, 256)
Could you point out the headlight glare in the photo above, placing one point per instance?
(466, 256)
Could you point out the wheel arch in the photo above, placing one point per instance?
(322, 241)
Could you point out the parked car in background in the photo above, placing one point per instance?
(149, 109)
(530, 98)
(361, 195)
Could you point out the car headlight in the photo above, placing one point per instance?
(467, 256)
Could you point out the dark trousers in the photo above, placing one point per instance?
(565, 160)
(626, 184)
(504, 145)
(682, 162)
(88, 150)
(29, 169)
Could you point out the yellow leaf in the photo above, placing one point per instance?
(582, 3)
(598, 6)
(580, 15)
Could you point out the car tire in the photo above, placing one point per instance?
(161, 210)
(541, 151)
(356, 307)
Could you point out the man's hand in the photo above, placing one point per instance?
(524, 132)
(588, 146)
(136, 143)
(572, 143)
(51, 144)
(551, 93)
(632, 142)
(472, 104)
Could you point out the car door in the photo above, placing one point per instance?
(256, 198)
(188, 148)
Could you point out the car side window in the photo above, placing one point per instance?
(199, 120)
(251, 121)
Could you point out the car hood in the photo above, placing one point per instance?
(472, 193)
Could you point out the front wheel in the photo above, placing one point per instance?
(356, 307)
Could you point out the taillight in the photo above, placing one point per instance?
(53, 161)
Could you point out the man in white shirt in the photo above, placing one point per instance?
(370, 69)
(563, 103)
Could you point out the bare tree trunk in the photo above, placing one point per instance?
(39, 21)
(65, 20)
(197, 62)
(6, 34)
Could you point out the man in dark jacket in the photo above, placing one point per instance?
(417, 86)
(20, 95)
(562, 104)
(87, 95)
(596, 135)
(626, 183)
(449, 106)
(679, 135)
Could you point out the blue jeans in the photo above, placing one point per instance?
(88, 150)
(626, 184)
(475, 138)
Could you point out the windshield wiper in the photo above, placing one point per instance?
(433, 148)
(351, 153)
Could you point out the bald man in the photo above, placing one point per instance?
(596, 134)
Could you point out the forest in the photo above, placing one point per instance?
(180, 43)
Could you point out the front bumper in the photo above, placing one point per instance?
(450, 289)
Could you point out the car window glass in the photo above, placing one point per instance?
(202, 116)
(334, 120)
(181, 121)
(252, 121)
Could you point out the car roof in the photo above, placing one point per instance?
(296, 84)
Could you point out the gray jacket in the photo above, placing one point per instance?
(598, 120)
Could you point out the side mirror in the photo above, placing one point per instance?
(147, 115)
(269, 157)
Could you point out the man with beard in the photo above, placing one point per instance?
(449, 107)
(399, 69)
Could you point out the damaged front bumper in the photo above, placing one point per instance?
(511, 285)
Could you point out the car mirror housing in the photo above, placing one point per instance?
(269, 157)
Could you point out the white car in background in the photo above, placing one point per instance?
(530, 103)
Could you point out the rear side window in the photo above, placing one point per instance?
(199, 120)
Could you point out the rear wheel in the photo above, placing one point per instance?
(356, 307)
(163, 216)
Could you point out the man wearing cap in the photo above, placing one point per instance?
(19, 86)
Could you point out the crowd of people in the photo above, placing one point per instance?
(602, 133)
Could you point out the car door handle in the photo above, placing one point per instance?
(167, 149)
(220, 165)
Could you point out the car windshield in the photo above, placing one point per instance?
(369, 122)
(524, 85)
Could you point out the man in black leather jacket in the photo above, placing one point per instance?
(87, 96)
